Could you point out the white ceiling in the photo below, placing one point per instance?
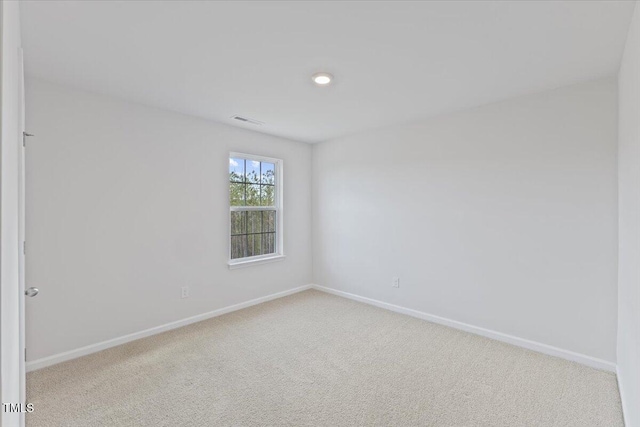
(393, 61)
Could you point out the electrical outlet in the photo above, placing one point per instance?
(185, 292)
(395, 282)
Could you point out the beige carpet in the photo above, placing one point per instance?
(314, 359)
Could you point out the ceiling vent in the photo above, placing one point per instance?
(247, 120)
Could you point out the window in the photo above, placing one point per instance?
(255, 204)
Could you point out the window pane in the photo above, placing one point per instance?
(253, 194)
(236, 169)
(268, 173)
(253, 171)
(268, 195)
(238, 223)
(269, 221)
(236, 194)
(255, 244)
(254, 222)
(269, 243)
(238, 247)
(252, 183)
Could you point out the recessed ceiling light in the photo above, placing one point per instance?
(322, 79)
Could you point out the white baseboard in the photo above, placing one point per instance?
(499, 336)
(83, 351)
(625, 416)
(521, 342)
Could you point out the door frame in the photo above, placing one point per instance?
(12, 361)
(22, 239)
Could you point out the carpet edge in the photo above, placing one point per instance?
(549, 350)
(103, 345)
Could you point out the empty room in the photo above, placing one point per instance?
(320, 213)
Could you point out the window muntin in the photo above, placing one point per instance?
(255, 214)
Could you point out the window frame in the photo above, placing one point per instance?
(278, 255)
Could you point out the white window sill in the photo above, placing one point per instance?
(257, 261)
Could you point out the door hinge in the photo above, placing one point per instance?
(25, 354)
(24, 138)
(24, 247)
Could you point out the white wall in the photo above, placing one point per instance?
(502, 217)
(11, 139)
(126, 204)
(629, 226)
